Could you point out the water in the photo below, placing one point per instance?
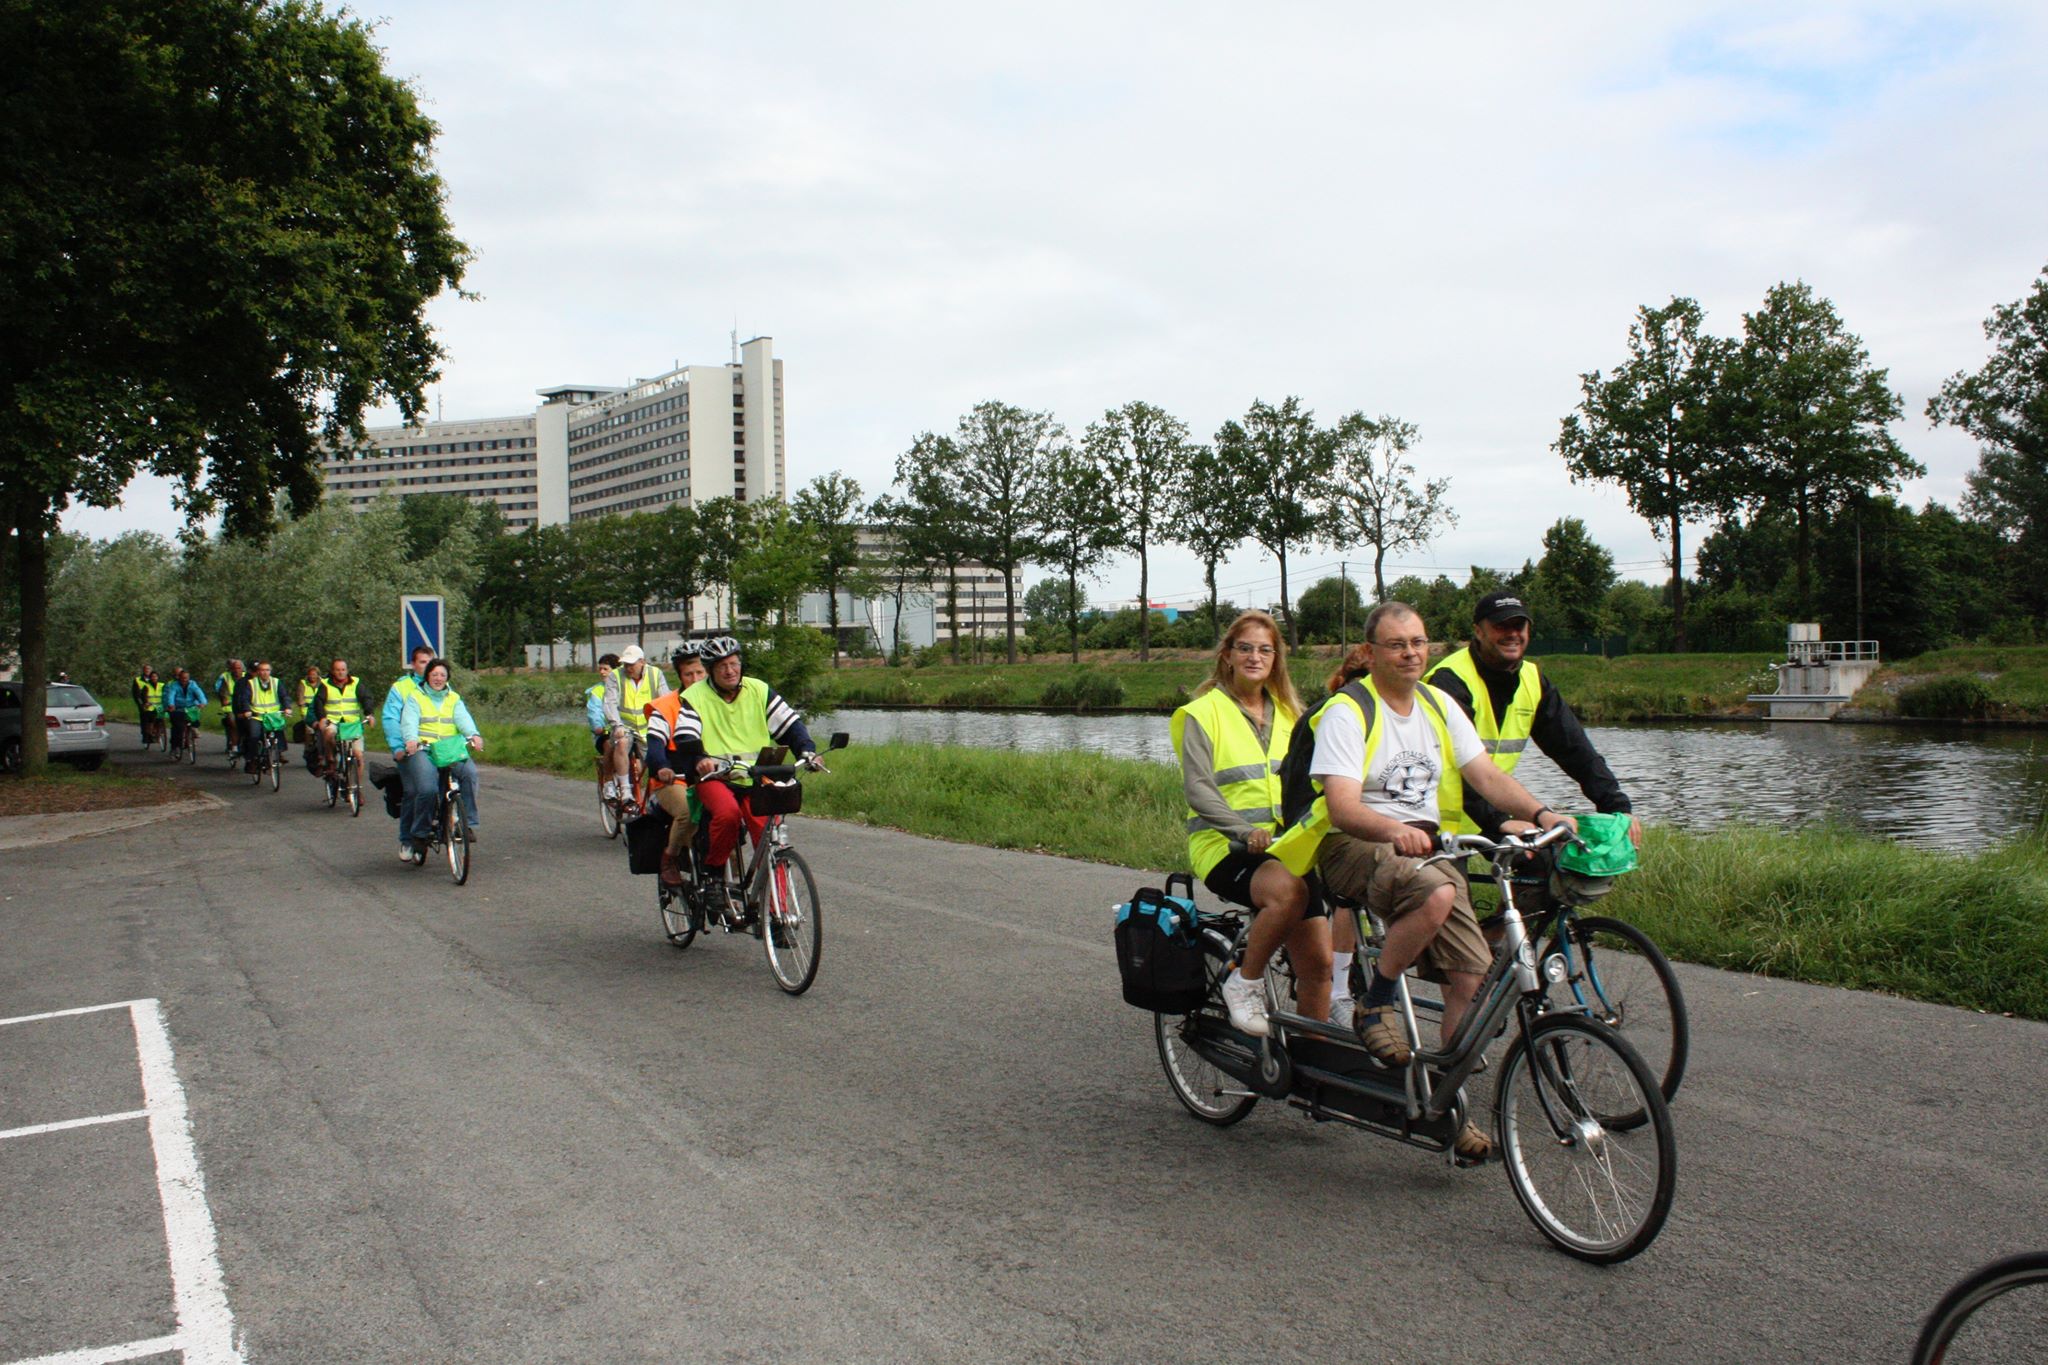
(1942, 788)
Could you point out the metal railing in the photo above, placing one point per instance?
(1807, 653)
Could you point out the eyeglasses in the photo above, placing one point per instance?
(1415, 646)
(1247, 647)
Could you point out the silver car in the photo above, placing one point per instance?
(75, 723)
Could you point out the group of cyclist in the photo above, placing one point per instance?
(1388, 760)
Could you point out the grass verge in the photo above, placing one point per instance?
(64, 790)
(1825, 906)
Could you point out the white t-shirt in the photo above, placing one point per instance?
(1407, 763)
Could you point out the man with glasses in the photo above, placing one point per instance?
(1389, 753)
(1495, 683)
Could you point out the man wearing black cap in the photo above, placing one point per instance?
(1510, 704)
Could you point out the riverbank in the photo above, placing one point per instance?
(1823, 906)
(1994, 684)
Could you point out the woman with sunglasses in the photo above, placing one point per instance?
(1231, 739)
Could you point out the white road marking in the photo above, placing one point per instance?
(107, 1355)
(58, 1127)
(128, 1005)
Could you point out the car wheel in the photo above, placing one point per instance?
(10, 754)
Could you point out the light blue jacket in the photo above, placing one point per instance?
(394, 703)
(593, 707)
(181, 695)
(409, 716)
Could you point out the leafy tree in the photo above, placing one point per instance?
(1278, 462)
(1145, 452)
(1812, 416)
(428, 519)
(633, 567)
(1002, 452)
(1576, 574)
(678, 575)
(769, 578)
(903, 568)
(1636, 612)
(218, 236)
(725, 527)
(2005, 406)
(1054, 601)
(1374, 497)
(1658, 427)
(831, 506)
(1330, 608)
(933, 519)
(1206, 516)
(114, 608)
(1071, 496)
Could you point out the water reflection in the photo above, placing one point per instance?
(1939, 788)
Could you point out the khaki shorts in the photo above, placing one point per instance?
(1392, 885)
(675, 799)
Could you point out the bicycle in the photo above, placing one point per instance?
(767, 892)
(1581, 1124)
(2014, 1335)
(450, 833)
(269, 759)
(614, 811)
(186, 747)
(345, 778)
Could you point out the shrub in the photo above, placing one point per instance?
(1948, 697)
(986, 692)
(1083, 690)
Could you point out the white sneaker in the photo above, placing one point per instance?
(1342, 1010)
(1246, 1001)
(405, 853)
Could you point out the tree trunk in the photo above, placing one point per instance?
(832, 616)
(1215, 625)
(1144, 603)
(33, 553)
(1074, 614)
(1677, 585)
(953, 611)
(640, 630)
(1286, 611)
(1804, 550)
(1010, 609)
(1379, 577)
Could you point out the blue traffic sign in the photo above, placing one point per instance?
(420, 621)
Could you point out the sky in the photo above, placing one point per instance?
(1443, 214)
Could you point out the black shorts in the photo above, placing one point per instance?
(1231, 880)
(599, 736)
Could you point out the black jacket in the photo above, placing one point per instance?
(1557, 733)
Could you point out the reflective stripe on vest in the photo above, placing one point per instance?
(307, 691)
(736, 728)
(633, 700)
(1298, 845)
(263, 701)
(153, 696)
(437, 717)
(343, 703)
(1247, 773)
(1505, 737)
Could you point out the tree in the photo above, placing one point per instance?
(2005, 406)
(1328, 606)
(1002, 453)
(1374, 496)
(634, 569)
(769, 578)
(1273, 459)
(725, 528)
(1812, 417)
(678, 576)
(903, 567)
(831, 505)
(1054, 602)
(219, 232)
(934, 520)
(1576, 574)
(1658, 427)
(1206, 517)
(1144, 451)
(1069, 510)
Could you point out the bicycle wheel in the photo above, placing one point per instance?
(1965, 1327)
(275, 762)
(333, 792)
(355, 794)
(608, 813)
(455, 833)
(680, 919)
(1619, 974)
(792, 931)
(1600, 1193)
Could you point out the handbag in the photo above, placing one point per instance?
(1159, 952)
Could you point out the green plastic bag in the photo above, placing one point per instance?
(1603, 848)
(448, 751)
(271, 720)
(349, 730)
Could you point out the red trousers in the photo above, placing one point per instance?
(727, 809)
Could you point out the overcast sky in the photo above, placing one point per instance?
(1070, 206)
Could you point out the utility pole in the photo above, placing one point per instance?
(1343, 605)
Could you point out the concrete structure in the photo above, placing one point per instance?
(1818, 677)
(485, 459)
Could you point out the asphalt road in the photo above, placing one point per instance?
(507, 1122)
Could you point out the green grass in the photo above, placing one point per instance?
(2014, 676)
(1826, 906)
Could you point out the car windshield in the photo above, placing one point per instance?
(65, 694)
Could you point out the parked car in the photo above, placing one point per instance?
(76, 725)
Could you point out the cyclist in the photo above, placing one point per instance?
(1511, 703)
(627, 694)
(224, 684)
(729, 715)
(256, 697)
(308, 692)
(682, 805)
(593, 705)
(148, 691)
(415, 771)
(432, 710)
(1379, 751)
(184, 699)
(338, 701)
(1230, 740)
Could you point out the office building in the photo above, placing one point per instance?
(488, 459)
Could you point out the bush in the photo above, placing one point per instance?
(986, 692)
(1946, 698)
(1084, 690)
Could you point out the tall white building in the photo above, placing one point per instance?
(486, 459)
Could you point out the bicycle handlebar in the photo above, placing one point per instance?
(1458, 846)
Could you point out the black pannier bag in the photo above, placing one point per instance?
(386, 781)
(1159, 952)
(646, 838)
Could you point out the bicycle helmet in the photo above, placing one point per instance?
(688, 649)
(716, 648)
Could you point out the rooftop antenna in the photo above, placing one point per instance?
(735, 338)
(437, 405)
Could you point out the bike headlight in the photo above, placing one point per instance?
(1554, 969)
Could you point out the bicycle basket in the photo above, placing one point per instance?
(448, 751)
(1159, 953)
(776, 798)
(646, 838)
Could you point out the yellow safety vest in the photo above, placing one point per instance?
(635, 699)
(307, 691)
(1298, 845)
(152, 695)
(736, 728)
(1506, 737)
(1247, 773)
(262, 700)
(437, 718)
(343, 703)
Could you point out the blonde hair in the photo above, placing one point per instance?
(1279, 683)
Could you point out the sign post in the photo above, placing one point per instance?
(421, 621)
